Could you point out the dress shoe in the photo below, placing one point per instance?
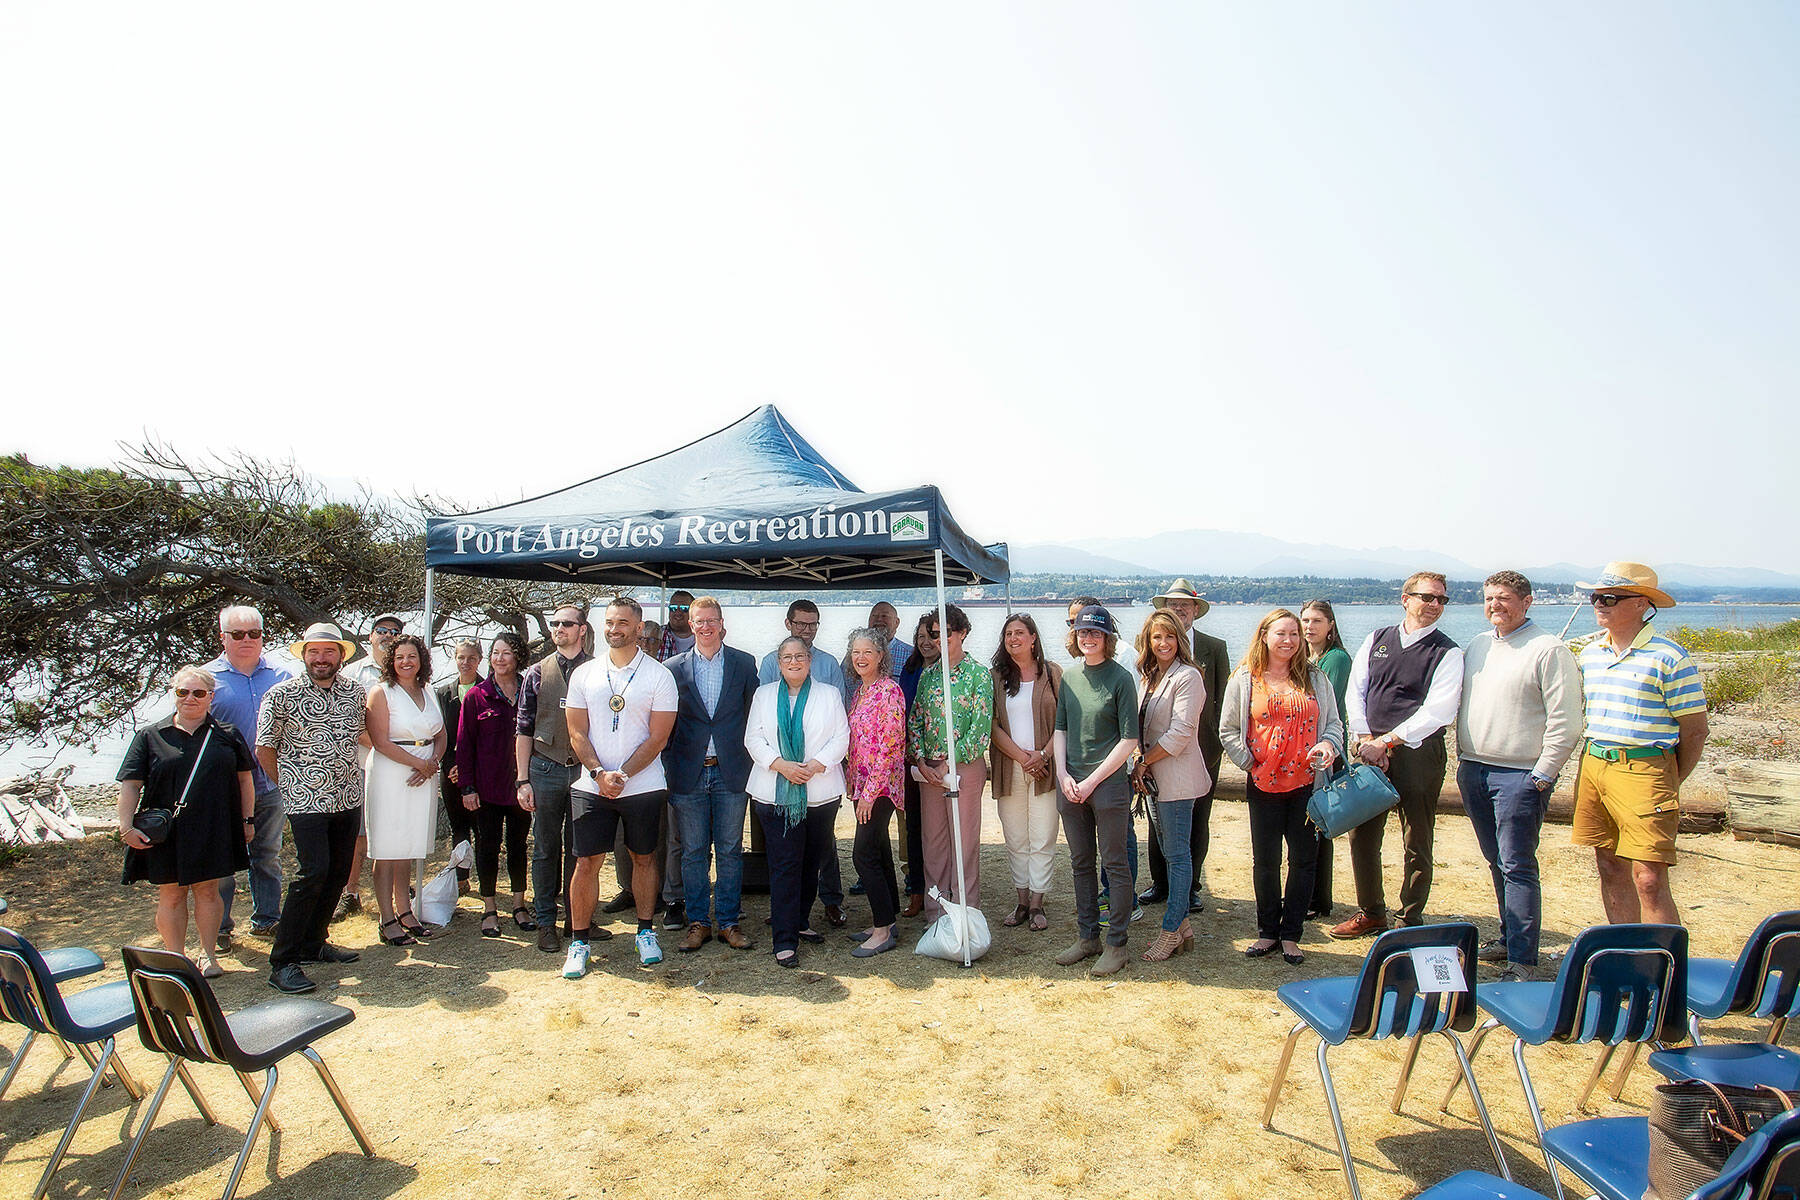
(857, 889)
(810, 935)
(697, 936)
(834, 916)
(347, 903)
(734, 937)
(893, 941)
(1153, 895)
(222, 943)
(548, 941)
(1359, 926)
(1195, 904)
(619, 903)
(329, 953)
(915, 904)
(291, 979)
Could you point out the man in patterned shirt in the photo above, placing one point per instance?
(308, 738)
(1646, 727)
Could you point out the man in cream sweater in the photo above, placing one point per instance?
(1519, 722)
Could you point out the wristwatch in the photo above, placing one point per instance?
(249, 820)
(519, 783)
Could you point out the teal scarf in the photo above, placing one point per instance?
(790, 797)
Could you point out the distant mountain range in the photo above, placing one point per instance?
(1257, 556)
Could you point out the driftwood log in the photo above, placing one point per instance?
(35, 809)
(1763, 799)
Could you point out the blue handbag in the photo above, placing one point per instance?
(1347, 797)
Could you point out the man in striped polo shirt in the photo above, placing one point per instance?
(1646, 726)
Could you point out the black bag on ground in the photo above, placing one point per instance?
(1694, 1127)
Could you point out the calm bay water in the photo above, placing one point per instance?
(758, 628)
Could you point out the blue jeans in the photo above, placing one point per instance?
(1507, 813)
(1174, 821)
(711, 820)
(265, 867)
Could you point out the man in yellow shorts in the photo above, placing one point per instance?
(1646, 726)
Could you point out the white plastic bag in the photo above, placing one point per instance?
(437, 899)
(943, 937)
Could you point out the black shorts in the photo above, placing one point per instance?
(595, 822)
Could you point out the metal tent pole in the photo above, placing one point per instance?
(950, 777)
(426, 620)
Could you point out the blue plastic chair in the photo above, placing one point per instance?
(1385, 999)
(29, 996)
(1612, 1156)
(64, 963)
(1618, 984)
(1763, 983)
(1731, 1064)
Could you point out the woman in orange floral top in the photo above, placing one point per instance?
(875, 781)
(1279, 721)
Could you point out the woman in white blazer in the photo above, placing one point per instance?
(797, 737)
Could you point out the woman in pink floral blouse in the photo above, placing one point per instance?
(875, 781)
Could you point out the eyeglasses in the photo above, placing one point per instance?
(238, 635)
(184, 693)
(708, 623)
(797, 626)
(565, 624)
(796, 658)
(390, 630)
(1429, 597)
(1609, 599)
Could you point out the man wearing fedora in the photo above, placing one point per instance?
(1188, 606)
(1646, 727)
(308, 741)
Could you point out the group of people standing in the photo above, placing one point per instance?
(658, 749)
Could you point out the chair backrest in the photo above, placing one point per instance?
(1766, 1166)
(28, 995)
(1768, 971)
(177, 1012)
(1391, 1000)
(1623, 983)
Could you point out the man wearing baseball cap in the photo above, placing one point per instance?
(383, 631)
(1646, 727)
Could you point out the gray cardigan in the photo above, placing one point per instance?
(1234, 715)
(1172, 715)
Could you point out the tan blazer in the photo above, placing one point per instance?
(1172, 721)
(1043, 721)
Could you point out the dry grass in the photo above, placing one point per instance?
(480, 1072)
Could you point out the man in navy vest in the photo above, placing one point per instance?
(708, 768)
(1405, 686)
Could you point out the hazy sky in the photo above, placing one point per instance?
(1518, 282)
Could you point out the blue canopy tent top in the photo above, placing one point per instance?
(751, 506)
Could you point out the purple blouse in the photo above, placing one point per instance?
(485, 733)
(878, 744)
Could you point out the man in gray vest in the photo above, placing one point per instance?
(1188, 606)
(1405, 684)
(547, 766)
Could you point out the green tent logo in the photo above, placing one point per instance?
(909, 527)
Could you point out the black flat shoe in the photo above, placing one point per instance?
(522, 918)
(490, 925)
(790, 962)
(1292, 960)
(1261, 951)
(810, 935)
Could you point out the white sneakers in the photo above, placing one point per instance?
(576, 964)
(649, 949)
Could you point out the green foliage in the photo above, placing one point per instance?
(1746, 677)
(1785, 636)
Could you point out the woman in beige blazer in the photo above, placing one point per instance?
(1171, 770)
(1024, 784)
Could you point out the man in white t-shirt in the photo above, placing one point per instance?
(620, 710)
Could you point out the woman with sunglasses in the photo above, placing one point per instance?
(925, 652)
(406, 729)
(1279, 722)
(1325, 650)
(198, 769)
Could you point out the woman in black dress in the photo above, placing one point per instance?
(201, 766)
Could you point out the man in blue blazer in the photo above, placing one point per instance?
(708, 767)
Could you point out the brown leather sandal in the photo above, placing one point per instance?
(1017, 916)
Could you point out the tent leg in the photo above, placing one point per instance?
(950, 779)
(425, 624)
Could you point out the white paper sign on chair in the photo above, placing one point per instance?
(1438, 969)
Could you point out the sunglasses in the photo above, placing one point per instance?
(388, 630)
(1609, 599)
(238, 635)
(184, 693)
(678, 608)
(565, 624)
(1429, 597)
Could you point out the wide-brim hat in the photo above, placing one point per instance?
(1181, 589)
(1095, 617)
(323, 633)
(1631, 577)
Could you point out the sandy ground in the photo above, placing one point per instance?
(479, 1071)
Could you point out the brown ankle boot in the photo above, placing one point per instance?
(1082, 949)
(1112, 960)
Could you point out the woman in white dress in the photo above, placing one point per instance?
(406, 729)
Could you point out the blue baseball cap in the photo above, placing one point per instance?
(1095, 617)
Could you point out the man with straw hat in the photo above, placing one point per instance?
(1646, 727)
(1214, 661)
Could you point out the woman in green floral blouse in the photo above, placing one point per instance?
(972, 708)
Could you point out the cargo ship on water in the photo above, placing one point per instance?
(976, 597)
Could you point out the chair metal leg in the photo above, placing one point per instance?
(1281, 1070)
(132, 1087)
(256, 1120)
(1631, 1055)
(64, 1047)
(1694, 1029)
(255, 1093)
(1488, 1026)
(1537, 1114)
(1487, 1124)
(1406, 1070)
(88, 1057)
(1593, 1079)
(17, 1058)
(131, 1152)
(68, 1136)
(1337, 1121)
(193, 1090)
(337, 1098)
(1777, 1027)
